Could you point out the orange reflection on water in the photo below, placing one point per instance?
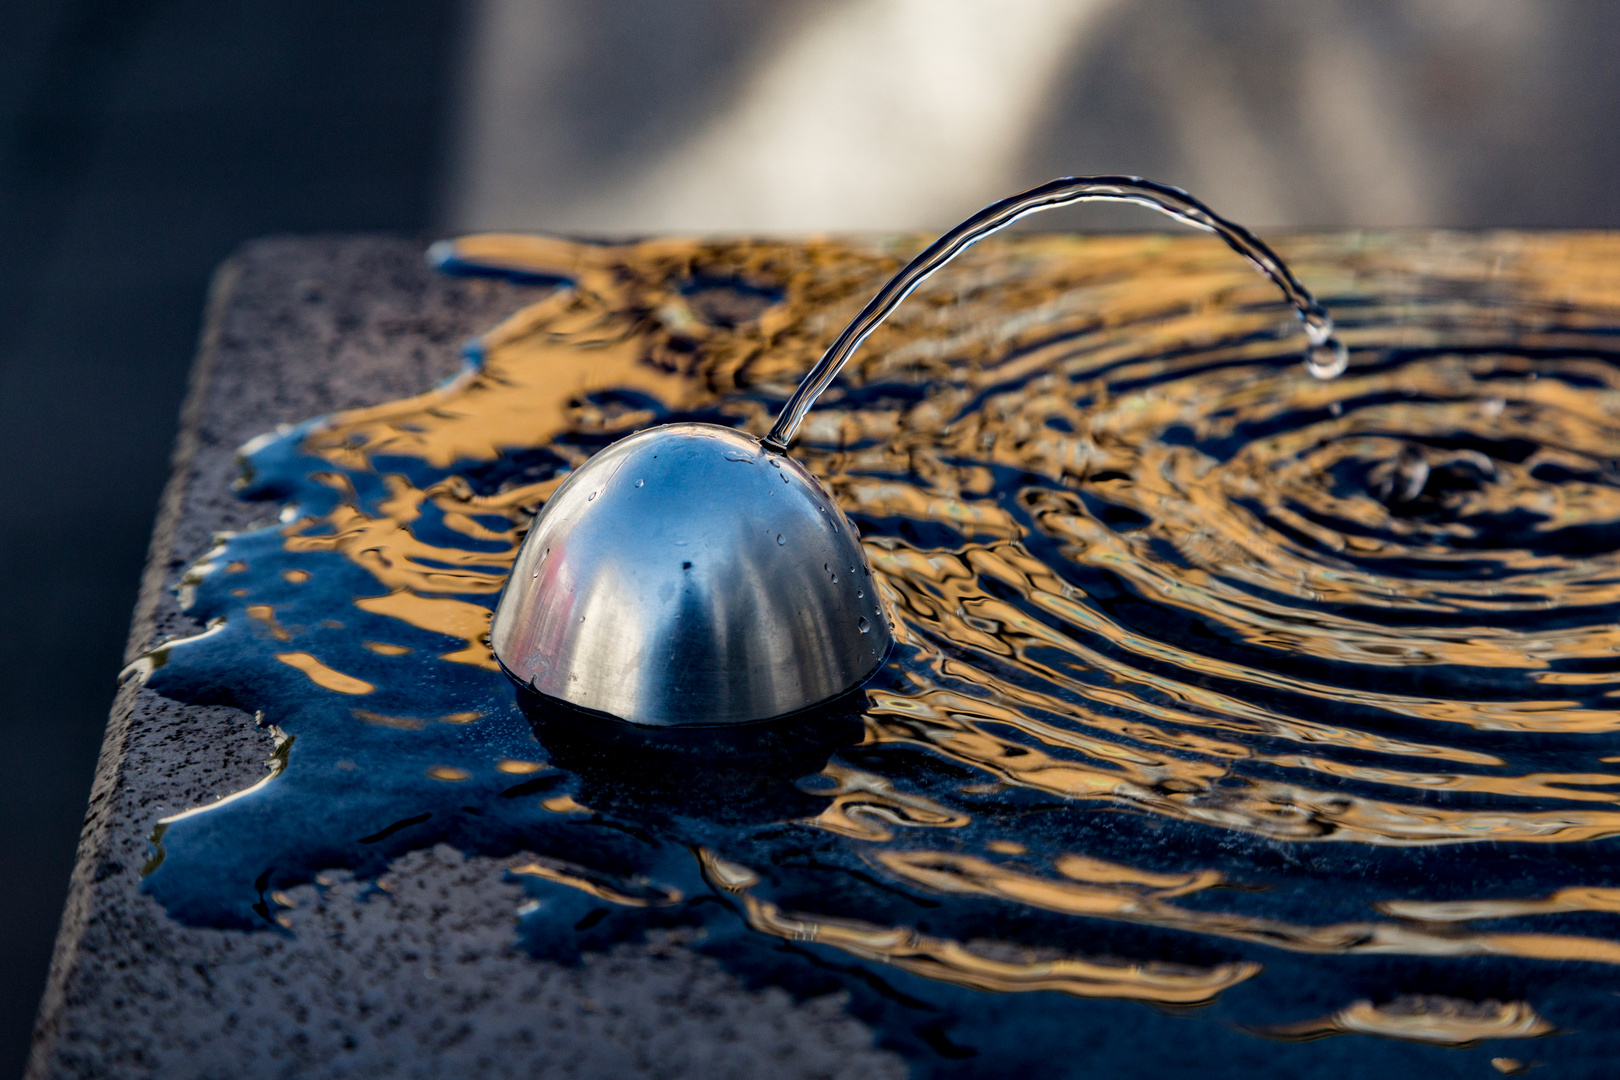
(864, 806)
(599, 885)
(321, 675)
(1119, 893)
(958, 728)
(1428, 1019)
(982, 965)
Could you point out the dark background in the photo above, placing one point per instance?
(141, 141)
(139, 144)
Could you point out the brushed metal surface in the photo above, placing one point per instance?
(686, 575)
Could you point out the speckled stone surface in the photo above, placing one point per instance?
(424, 980)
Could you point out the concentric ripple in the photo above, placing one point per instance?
(1216, 682)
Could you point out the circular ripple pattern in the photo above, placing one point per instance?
(1356, 586)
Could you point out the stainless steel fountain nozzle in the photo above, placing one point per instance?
(695, 575)
(687, 575)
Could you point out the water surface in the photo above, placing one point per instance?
(1231, 708)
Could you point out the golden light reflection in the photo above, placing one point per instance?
(982, 965)
(864, 806)
(321, 675)
(1104, 890)
(515, 767)
(601, 886)
(961, 729)
(265, 615)
(1564, 900)
(1427, 1019)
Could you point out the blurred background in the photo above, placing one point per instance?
(142, 140)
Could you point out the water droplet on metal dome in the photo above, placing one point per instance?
(779, 539)
(640, 482)
(863, 624)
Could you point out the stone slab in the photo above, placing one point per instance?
(425, 980)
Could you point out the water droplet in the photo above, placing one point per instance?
(1327, 360)
(779, 539)
(776, 462)
(863, 624)
(591, 496)
(835, 577)
(640, 482)
(1318, 325)
(860, 594)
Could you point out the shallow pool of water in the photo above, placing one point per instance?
(1231, 708)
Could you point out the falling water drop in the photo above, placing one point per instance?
(1327, 360)
(1318, 324)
